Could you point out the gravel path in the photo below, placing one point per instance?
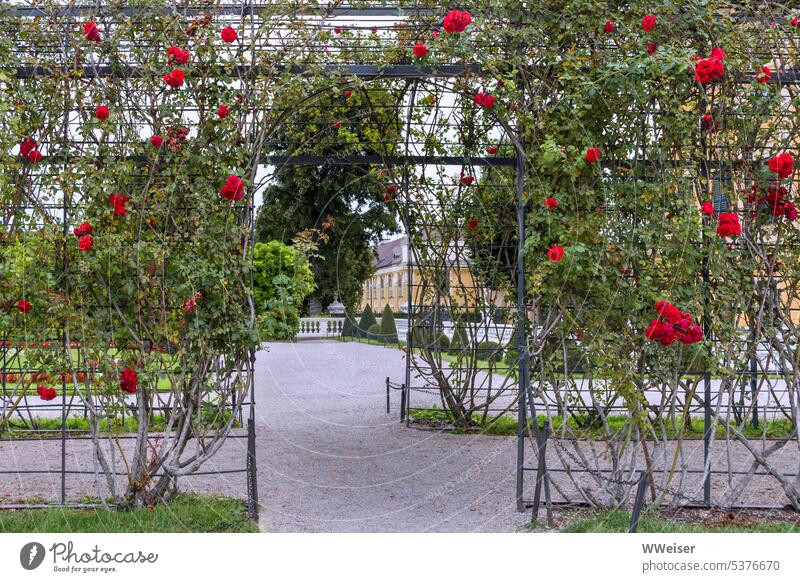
(331, 459)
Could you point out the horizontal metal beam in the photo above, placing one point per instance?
(361, 71)
(374, 159)
(335, 160)
(242, 9)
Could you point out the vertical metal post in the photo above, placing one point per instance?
(704, 175)
(753, 382)
(638, 502)
(522, 342)
(403, 403)
(409, 253)
(388, 402)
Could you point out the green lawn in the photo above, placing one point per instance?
(212, 418)
(186, 513)
(617, 521)
(507, 425)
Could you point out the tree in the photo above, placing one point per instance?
(347, 203)
(282, 279)
(388, 326)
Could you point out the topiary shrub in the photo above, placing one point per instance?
(460, 341)
(367, 321)
(374, 332)
(425, 339)
(388, 326)
(489, 351)
(349, 326)
(441, 343)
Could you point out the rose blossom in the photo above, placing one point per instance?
(555, 253)
(233, 188)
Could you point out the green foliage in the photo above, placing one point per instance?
(281, 281)
(343, 202)
(186, 513)
(366, 322)
(388, 326)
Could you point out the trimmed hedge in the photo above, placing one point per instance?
(388, 326)
(367, 321)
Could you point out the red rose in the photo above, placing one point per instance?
(34, 156)
(177, 55)
(26, 147)
(118, 201)
(764, 75)
(651, 48)
(555, 253)
(223, 111)
(456, 21)
(189, 305)
(668, 311)
(609, 27)
(337, 30)
(85, 242)
(420, 50)
(127, 381)
(82, 230)
(175, 78)
(484, 100)
(550, 202)
(101, 112)
(466, 180)
(491, 150)
(707, 208)
(91, 32)
(728, 225)
(592, 155)
(228, 34)
(783, 165)
(796, 22)
(46, 393)
(233, 188)
(347, 94)
(23, 306)
(717, 54)
(473, 223)
(790, 211)
(156, 141)
(648, 22)
(706, 70)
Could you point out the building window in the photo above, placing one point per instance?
(400, 284)
(391, 289)
(381, 287)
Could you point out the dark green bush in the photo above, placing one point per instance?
(388, 326)
(489, 351)
(374, 332)
(367, 321)
(349, 326)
